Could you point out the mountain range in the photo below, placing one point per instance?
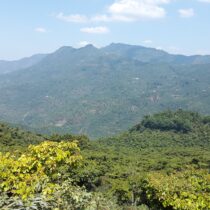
(100, 91)
(11, 66)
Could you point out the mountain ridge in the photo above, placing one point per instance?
(114, 48)
(91, 91)
(11, 66)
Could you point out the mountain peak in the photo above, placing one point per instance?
(88, 46)
(65, 48)
(113, 44)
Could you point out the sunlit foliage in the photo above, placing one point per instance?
(158, 167)
(37, 170)
(185, 190)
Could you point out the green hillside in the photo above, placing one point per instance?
(159, 164)
(12, 138)
(102, 92)
(158, 146)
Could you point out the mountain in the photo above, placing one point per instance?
(103, 91)
(145, 54)
(10, 66)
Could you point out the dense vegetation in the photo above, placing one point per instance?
(12, 138)
(180, 122)
(161, 163)
(101, 92)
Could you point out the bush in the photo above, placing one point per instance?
(184, 190)
(180, 121)
(37, 170)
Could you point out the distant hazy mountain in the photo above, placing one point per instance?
(153, 55)
(103, 91)
(10, 66)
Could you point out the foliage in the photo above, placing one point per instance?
(39, 179)
(180, 121)
(82, 140)
(65, 196)
(206, 120)
(37, 202)
(118, 172)
(68, 196)
(12, 138)
(37, 169)
(185, 190)
(118, 165)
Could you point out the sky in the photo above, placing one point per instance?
(29, 27)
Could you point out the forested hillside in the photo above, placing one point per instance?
(11, 66)
(161, 163)
(12, 138)
(104, 91)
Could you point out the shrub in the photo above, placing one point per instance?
(37, 170)
(184, 190)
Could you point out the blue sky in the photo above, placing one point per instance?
(40, 26)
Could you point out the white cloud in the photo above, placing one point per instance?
(186, 13)
(205, 1)
(203, 52)
(159, 48)
(83, 43)
(40, 30)
(139, 9)
(98, 18)
(148, 41)
(124, 11)
(110, 18)
(95, 30)
(76, 18)
(174, 50)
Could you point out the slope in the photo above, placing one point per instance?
(92, 91)
(13, 138)
(11, 66)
